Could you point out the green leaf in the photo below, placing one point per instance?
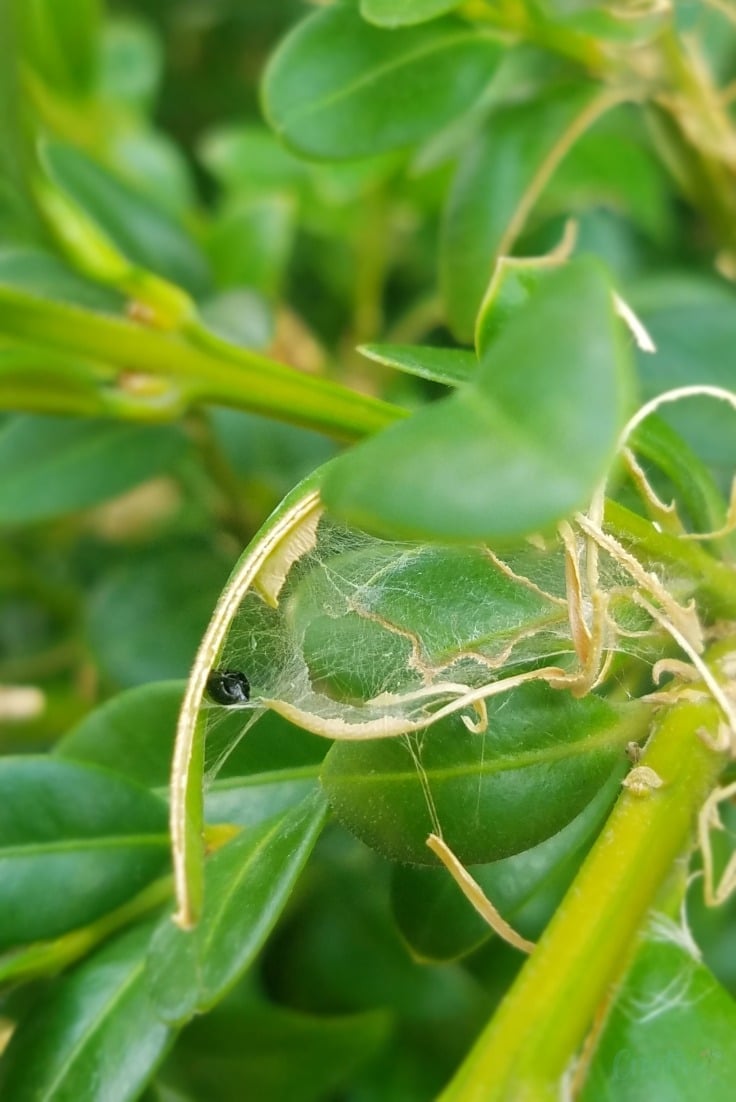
(503, 456)
(339, 88)
(131, 62)
(440, 924)
(272, 769)
(154, 586)
(693, 324)
(670, 1032)
(131, 734)
(249, 244)
(450, 366)
(275, 454)
(95, 1035)
(74, 842)
(247, 885)
(51, 466)
(400, 13)
(249, 159)
(60, 41)
(497, 183)
(237, 1052)
(146, 234)
(541, 761)
(45, 276)
(612, 166)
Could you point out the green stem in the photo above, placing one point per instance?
(530, 1043)
(208, 369)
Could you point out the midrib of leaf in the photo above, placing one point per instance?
(105, 1011)
(278, 776)
(73, 845)
(236, 881)
(367, 79)
(601, 103)
(622, 734)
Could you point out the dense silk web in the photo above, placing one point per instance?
(373, 638)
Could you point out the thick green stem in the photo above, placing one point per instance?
(208, 369)
(534, 1036)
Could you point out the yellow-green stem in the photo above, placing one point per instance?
(210, 369)
(525, 1050)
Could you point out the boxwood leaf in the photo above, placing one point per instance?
(74, 842)
(238, 1051)
(247, 884)
(450, 366)
(96, 1035)
(143, 232)
(497, 182)
(339, 88)
(60, 42)
(670, 1032)
(542, 759)
(272, 769)
(440, 924)
(502, 456)
(692, 321)
(45, 276)
(154, 587)
(399, 13)
(51, 466)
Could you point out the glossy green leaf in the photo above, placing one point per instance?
(502, 456)
(95, 1035)
(612, 166)
(338, 948)
(670, 1031)
(514, 283)
(247, 885)
(399, 13)
(339, 88)
(53, 466)
(131, 734)
(270, 453)
(18, 219)
(74, 842)
(440, 924)
(146, 234)
(131, 62)
(45, 276)
(541, 761)
(248, 159)
(273, 768)
(250, 243)
(497, 182)
(157, 168)
(693, 324)
(449, 366)
(154, 586)
(238, 1052)
(60, 41)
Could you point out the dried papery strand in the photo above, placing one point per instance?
(473, 892)
(666, 516)
(708, 821)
